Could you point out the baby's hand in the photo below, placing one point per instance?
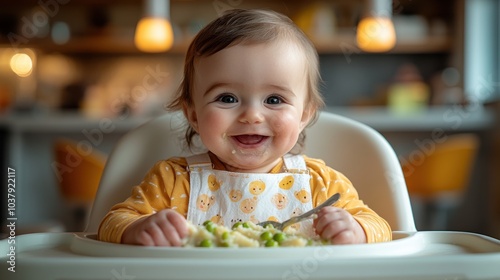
(338, 226)
(165, 228)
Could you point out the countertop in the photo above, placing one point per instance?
(380, 118)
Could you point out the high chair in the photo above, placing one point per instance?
(78, 173)
(358, 151)
(440, 177)
(350, 147)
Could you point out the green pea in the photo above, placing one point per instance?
(271, 243)
(266, 235)
(225, 235)
(246, 225)
(236, 225)
(210, 227)
(207, 222)
(279, 237)
(224, 244)
(206, 243)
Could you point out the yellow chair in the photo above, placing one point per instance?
(78, 168)
(439, 175)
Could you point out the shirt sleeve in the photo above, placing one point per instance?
(166, 185)
(326, 181)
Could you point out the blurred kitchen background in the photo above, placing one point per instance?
(72, 82)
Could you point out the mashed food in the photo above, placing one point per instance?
(245, 234)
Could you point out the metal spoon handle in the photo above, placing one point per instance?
(331, 200)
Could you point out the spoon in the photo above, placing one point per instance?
(280, 226)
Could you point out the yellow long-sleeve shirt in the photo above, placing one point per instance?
(166, 185)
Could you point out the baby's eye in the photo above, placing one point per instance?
(227, 98)
(274, 99)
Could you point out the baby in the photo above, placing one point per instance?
(250, 88)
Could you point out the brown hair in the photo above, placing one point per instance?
(248, 26)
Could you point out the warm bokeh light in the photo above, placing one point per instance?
(376, 34)
(154, 35)
(21, 64)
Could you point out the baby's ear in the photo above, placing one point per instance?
(191, 116)
(307, 116)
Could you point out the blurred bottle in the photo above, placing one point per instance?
(408, 93)
(317, 21)
(446, 88)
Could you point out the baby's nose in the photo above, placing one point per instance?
(251, 115)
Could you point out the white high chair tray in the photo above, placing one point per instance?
(417, 255)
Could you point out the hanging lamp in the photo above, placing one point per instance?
(375, 32)
(154, 31)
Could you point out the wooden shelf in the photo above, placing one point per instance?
(125, 45)
(120, 38)
(122, 45)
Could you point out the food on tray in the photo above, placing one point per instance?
(246, 234)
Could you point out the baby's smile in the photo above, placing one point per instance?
(249, 144)
(250, 139)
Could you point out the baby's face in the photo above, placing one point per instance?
(249, 103)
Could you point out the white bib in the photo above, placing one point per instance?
(228, 197)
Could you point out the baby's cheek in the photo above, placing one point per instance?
(284, 123)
